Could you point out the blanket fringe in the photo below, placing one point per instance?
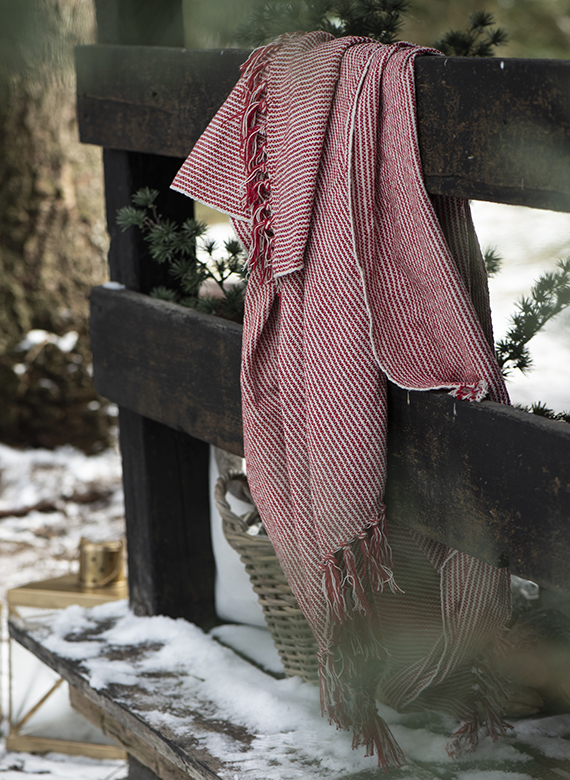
(353, 709)
(475, 392)
(464, 740)
(377, 556)
(377, 737)
(358, 569)
(349, 670)
(466, 737)
(254, 153)
(355, 579)
(333, 588)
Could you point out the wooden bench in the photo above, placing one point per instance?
(173, 728)
(496, 130)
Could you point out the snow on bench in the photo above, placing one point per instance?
(184, 705)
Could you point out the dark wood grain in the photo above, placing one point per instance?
(154, 100)
(125, 173)
(167, 510)
(489, 480)
(486, 131)
(493, 129)
(165, 471)
(168, 363)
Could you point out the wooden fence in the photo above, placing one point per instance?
(489, 480)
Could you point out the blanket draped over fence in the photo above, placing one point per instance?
(357, 276)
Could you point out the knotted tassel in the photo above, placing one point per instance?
(354, 579)
(475, 392)
(464, 739)
(334, 588)
(377, 557)
(377, 738)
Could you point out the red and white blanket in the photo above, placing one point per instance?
(357, 276)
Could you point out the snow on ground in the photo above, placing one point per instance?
(60, 496)
(15, 766)
(49, 499)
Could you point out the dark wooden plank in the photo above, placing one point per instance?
(165, 472)
(167, 510)
(153, 100)
(486, 131)
(493, 129)
(490, 480)
(176, 365)
(171, 565)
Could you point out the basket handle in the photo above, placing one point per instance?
(220, 496)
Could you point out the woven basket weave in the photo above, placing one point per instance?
(289, 629)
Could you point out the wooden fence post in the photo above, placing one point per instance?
(165, 471)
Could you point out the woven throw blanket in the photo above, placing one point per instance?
(356, 276)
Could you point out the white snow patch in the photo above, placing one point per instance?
(36, 337)
(531, 241)
(549, 735)
(255, 643)
(291, 739)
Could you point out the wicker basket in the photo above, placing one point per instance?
(289, 629)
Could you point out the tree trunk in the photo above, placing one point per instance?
(52, 234)
(52, 230)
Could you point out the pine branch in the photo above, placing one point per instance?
(129, 216)
(164, 294)
(377, 19)
(548, 297)
(478, 40)
(176, 246)
(145, 197)
(493, 261)
(542, 410)
(381, 20)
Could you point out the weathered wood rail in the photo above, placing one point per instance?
(488, 129)
(489, 480)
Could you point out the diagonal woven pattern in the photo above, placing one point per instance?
(357, 276)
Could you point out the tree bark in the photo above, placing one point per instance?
(52, 233)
